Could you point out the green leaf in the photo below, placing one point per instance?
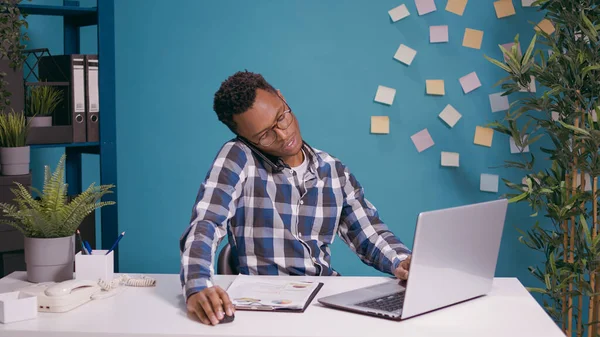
(498, 63)
(527, 55)
(589, 68)
(518, 198)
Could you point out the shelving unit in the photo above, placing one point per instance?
(75, 17)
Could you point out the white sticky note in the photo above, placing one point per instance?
(405, 54)
(532, 87)
(470, 82)
(422, 140)
(527, 3)
(450, 159)
(555, 116)
(516, 149)
(499, 102)
(438, 34)
(450, 115)
(488, 182)
(425, 6)
(398, 13)
(588, 181)
(385, 95)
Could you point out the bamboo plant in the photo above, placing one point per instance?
(562, 191)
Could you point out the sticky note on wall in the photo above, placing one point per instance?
(546, 26)
(470, 82)
(456, 6)
(380, 124)
(499, 102)
(385, 95)
(450, 115)
(422, 140)
(514, 148)
(450, 159)
(504, 9)
(435, 87)
(399, 13)
(473, 38)
(483, 136)
(405, 54)
(425, 6)
(488, 182)
(438, 34)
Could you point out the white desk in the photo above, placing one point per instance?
(160, 311)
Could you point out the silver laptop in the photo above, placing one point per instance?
(455, 251)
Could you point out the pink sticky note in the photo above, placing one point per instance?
(438, 34)
(422, 140)
(508, 47)
(470, 82)
(425, 6)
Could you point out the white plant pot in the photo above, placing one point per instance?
(39, 121)
(14, 160)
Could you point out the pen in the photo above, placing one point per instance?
(83, 249)
(116, 242)
(88, 247)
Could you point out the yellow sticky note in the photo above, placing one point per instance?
(380, 124)
(484, 136)
(435, 87)
(473, 38)
(456, 6)
(504, 8)
(545, 25)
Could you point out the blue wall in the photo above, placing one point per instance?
(327, 59)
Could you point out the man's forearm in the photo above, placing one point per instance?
(198, 250)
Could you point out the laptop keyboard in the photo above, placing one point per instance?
(389, 303)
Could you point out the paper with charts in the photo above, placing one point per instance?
(271, 293)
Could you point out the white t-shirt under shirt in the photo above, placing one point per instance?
(301, 169)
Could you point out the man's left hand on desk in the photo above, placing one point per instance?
(402, 271)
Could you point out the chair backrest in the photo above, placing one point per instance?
(226, 261)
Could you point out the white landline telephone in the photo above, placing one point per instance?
(68, 295)
(63, 296)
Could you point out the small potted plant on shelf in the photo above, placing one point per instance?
(49, 223)
(14, 151)
(41, 103)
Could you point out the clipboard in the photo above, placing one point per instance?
(274, 294)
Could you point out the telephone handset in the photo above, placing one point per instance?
(63, 296)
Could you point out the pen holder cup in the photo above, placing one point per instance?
(93, 267)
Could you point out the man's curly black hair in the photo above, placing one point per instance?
(237, 94)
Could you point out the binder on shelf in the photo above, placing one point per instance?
(92, 107)
(56, 68)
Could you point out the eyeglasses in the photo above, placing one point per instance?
(283, 122)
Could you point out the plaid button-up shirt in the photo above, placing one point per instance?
(279, 223)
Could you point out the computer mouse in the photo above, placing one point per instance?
(227, 319)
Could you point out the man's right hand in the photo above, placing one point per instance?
(210, 305)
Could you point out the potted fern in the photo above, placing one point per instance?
(41, 103)
(49, 223)
(14, 151)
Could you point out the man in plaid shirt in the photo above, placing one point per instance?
(279, 201)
